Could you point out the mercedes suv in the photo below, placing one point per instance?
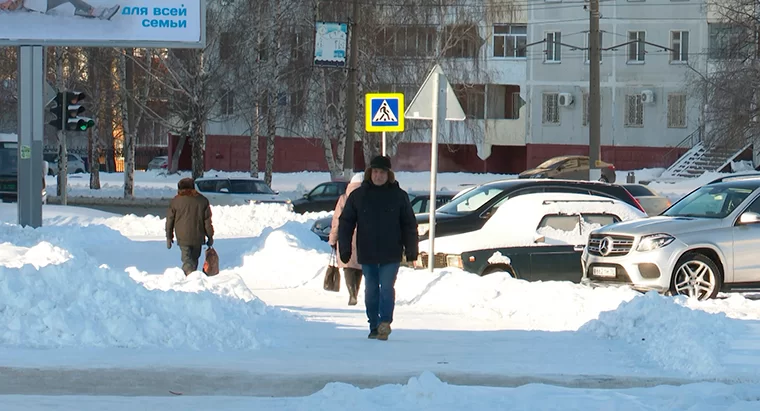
(705, 243)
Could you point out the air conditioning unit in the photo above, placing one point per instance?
(565, 99)
(647, 97)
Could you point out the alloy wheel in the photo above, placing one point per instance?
(695, 279)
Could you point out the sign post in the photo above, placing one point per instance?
(30, 120)
(384, 112)
(445, 106)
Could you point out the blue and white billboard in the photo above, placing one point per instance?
(105, 23)
(330, 44)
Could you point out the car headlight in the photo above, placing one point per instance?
(654, 241)
(453, 260)
(423, 229)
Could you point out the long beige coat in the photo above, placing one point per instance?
(333, 239)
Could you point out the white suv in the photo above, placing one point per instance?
(705, 243)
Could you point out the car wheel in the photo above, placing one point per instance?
(696, 276)
(499, 268)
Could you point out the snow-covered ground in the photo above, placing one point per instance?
(94, 303)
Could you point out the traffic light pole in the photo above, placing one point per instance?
(30, 133)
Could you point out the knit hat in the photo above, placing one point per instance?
(186, 183)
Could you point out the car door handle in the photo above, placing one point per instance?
(579, 247)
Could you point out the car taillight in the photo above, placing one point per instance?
(636, 200)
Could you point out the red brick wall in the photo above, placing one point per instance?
(231, 153)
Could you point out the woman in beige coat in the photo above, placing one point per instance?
(352, 271)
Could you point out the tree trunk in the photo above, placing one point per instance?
(271, 132)
(174, 166)
(125, 77)
(254, 153)
(94, 154)
(196, 139)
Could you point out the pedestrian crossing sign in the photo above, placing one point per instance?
(385, 112)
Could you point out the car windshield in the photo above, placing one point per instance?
(470, 201)
(551, 162)
(710, 202)
(8, 159)
(249, 187)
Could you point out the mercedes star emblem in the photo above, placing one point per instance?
(605, 246)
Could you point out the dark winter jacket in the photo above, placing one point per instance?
(386, 228)
(189, 216)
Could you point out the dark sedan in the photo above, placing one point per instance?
(322, 198)
(470, 211)
(420, 203)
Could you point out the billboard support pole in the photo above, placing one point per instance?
(30, 123)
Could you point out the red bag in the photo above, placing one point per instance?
(211, 265)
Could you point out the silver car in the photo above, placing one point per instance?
(705, 243)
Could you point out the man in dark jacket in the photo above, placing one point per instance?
(386, 230)
(189, 216)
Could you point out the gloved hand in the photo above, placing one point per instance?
(169, 242)
(210, 242)
(345, 257)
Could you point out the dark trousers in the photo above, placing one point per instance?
(379, 292)
(190, 256)
(353, 278)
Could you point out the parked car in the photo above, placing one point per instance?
(321, 198)
(652, 201)
(420, 202)
(77, 164)
(159, 163)
(9, 170)
(570, 168)
(238, 191)
(471, 210)
(705, 243)
(535, 237)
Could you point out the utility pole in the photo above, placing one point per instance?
(594, 94)
(348, 158)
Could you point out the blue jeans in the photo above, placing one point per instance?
(379, 292)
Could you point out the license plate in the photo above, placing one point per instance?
(603, 271)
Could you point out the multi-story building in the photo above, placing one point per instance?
(522, 78)
(650, 48)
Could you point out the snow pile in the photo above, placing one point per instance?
(41, 255)
(672, 335)
(285, 257)
(77, 302)
(513, 304)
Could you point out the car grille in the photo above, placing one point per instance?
(439, 260)
(620, 245)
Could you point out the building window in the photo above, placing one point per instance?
(587, 52)
(461, 41)
(636, 50)
(679, 43)
(634, 111)
(553, 50)
(226, 45)
(728, 41)
(551, 108)
(586, 109)
(512, 102)
(676, 110)
(406, 41)
(472, 98)
(227, 103)
(510, 40)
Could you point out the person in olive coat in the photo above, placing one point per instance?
(189, 217)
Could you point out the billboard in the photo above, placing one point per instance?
(330, 43)
(103, 23)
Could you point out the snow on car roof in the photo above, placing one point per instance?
(515, 222)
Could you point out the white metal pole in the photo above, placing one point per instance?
(439, 116)
(384, 142)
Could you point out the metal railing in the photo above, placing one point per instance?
(672, 156)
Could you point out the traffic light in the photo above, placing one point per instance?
(57, 111)
(74, 121)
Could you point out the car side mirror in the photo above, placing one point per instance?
(225, 190)
(749, 218)
(539, 239)
(306, 196)
(277, 192)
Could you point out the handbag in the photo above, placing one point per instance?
(211, 263)
(332, 275)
